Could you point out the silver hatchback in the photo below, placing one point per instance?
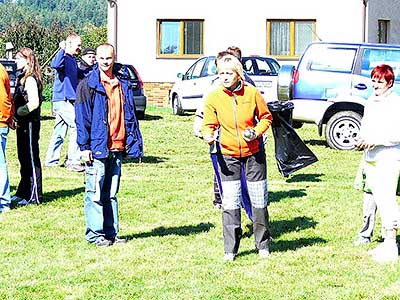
(187, 92)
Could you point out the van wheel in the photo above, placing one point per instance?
(342, 129)
(176, 106)
(285, 82)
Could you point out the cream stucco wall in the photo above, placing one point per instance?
(240, 23)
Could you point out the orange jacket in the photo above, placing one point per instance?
(232, 113)
(6, 103)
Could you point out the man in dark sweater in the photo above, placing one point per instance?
(64, 96)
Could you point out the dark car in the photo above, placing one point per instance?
(11, 68)
(137, 85)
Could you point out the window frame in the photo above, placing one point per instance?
(383, 31)
(181, 38)
(292, 40)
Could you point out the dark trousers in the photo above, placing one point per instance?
(30, 185)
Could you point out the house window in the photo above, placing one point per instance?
(180, 38)
(383, 30)
(289, 38)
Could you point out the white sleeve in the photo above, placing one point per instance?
(31, 89)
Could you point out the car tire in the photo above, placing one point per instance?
(176, 106)
(285, 82)
(342, 129)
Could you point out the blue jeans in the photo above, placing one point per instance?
(65, 121)
(100, 202)
(4, 180)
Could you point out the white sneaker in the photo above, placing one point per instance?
(386, 252)
(5, 209)
(362, 241)
(264, 253)
(229, 256)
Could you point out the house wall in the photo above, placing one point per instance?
(223, 26)
(385, 10)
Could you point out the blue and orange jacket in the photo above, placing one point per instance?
(91, 117)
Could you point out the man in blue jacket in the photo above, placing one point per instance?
(64, 96)
(107, 130)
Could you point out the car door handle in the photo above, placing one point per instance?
(361, 86)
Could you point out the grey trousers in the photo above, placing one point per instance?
(369, 216)
(230, 171)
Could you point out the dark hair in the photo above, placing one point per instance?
(235, 51)
(383, 71)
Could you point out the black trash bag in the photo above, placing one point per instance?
(291, 152)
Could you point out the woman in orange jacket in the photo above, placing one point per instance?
(240, 114)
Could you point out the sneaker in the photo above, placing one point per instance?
(217, 205)
(103, 242)
(362, 241)
(118, 240)
(264, 253)
(229, 256)
(386, 252)
(23, 202)
(16, 199)
(75, 168)
(5, 209)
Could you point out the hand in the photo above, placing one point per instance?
(249, 134)
(12, 124)
(86, 156)
(210, 139)
(62, 45)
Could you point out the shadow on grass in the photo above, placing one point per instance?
(181, 230)
(305, 177)
(277, 196)
(151, 118)
(282, 246)
(54, 195)
(145, 160)
(284, 226)
(45, 118)
(297, 224)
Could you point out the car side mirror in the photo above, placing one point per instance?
(179, 75)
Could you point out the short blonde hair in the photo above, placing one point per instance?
(231, 62)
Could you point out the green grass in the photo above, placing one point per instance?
(175, 249)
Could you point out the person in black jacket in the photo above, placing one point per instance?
(27, 100)
(87, 61)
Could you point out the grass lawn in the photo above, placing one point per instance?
(175, 249)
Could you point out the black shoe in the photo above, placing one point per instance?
(103, 242)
